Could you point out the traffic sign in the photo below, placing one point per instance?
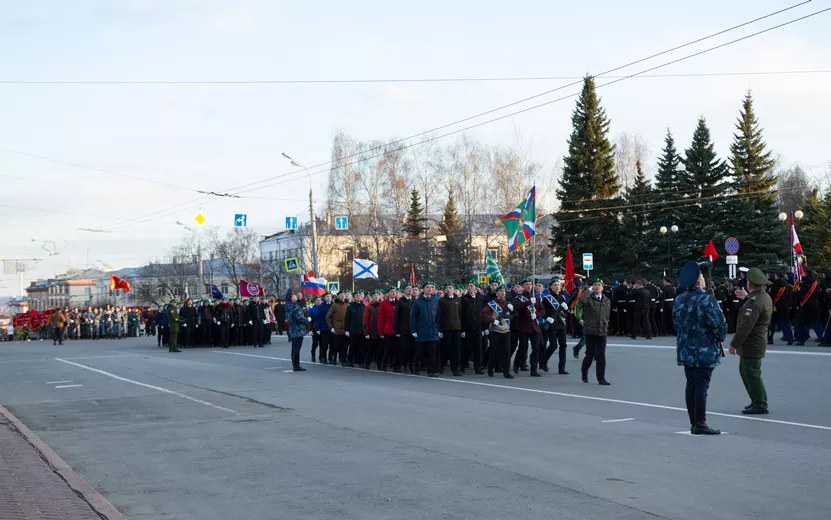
(732, 260)
(588, 261)
(341, 223)
(731, 245)
(333, 287)
(483, 278)
(200, 218)
(291, 222)
(240, 220)
(292, 264)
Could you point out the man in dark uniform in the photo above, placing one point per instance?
(781, 295)
(806, 301)
(620, 299)
(668, 303)
(525, 308)
(187, 320)
(471, 306)
(173, 323)
(556, 312)
(654, 297)
(401, 325)
(640, 297)
(722, 294)
(734, 304)
(256, 315)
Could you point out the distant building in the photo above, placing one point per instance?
(75, 288)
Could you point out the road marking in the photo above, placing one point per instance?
(287, 371)
(619, 420)
(68, 386)
(152, 387)
(668, 347)
(272, 368)
(57, 382)
(559, 394)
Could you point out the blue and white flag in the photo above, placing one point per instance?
(216, 294)
(364, 269)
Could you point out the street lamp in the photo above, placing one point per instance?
(663, 230)
(783, 217)
(198, 255)
(311, 213)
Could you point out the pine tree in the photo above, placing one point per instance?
(454, 244)
(754, 221)
(638, 236)
(589, 182)
(668, 182)
(703, 183)
(415, 224)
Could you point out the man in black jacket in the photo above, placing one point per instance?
(256, 315)
(556, 312)
(668, 304)
(654, 297)
(782, 296)
(401, 325)
(640, 296)
(806, 301)
(280, 316)
(620, 298)
(187, 322)
(472, 304)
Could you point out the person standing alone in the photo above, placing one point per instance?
(58, 323)
(297, 329)
(700, 328)
(594, 311)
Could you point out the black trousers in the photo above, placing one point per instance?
(406, 348)
(257, 334)
(652, 322)
(356, 349)
(425, 355)
(500, 353)
(451, 348)
(391, 354)
(325, 342)
(620, 318)
(595, 349)
(372, 352)
(641, 322)
(556, 338)
(669, 326)
(698, 383)
(315, 343)
(472, 348)
(522, 354)
(185, 333)
(224, 333)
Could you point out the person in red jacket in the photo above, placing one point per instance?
(371, 333)
(386, 329)
(525, 308)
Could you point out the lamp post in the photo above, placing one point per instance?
(198, 256)
(311, 214)
(783, 217)
(663, 231)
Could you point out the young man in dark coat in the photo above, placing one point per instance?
(401, 326)
(450, 309)
(425, 324)
(354, 326)
(556, 312)
(594, 311)
(472, 304)
(525, 309)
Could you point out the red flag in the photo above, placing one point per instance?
(249, 290)
(412, 274)
(569, 281)
(119, 283)
(710, 251)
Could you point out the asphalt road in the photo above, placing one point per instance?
(218, 434)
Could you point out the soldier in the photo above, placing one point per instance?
(807, 308)
(425, 323)
(470, 309)
(335, 320)
(450, 310)
(734, 303)
(188, 323)
(620, 299)
(639, 296)
(556, 312)
(700, 327)
(401, 325)
(750, 340)
(372, 337)
(386, 329)
(354, 325)
(781, 295)
(173, 325)
(594, 311)
(525, 308)
(320, 325)
(256, 316)
(497, 315)
(654, 296)
(668, 297)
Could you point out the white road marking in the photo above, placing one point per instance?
(272, 368)
(57, 382)
(619, 420)
(769, 351)
(559, 394)
(287, 371)
(68, 386)
(152, 387)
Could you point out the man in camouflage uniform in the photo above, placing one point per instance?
(700, 328)
(750, 341)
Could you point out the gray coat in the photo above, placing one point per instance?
(595, 314)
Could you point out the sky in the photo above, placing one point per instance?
(217, 137)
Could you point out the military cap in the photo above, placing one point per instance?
(555, 280)
(743, 269)
(500, 287)
(448, 283)
(359, 291)
(473, 280)
(391, 288)
(756, 277)
(408, 284)
(597, 280)
(428, 282)
(526, 280)
(689, 274)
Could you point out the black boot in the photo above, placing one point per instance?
(703, 429)
(295, 361)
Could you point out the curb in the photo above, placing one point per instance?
(100, 504)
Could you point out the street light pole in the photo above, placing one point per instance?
(663, 231)
(198, 257)
(311, 215)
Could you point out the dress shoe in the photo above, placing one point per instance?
(479, 372)
(585, 379)
(575, 353)
(490, 371)
(457, 373)
(790, 342)
(523, 369)
(299, 369)
(755, 410)
(748, 407)
(800, 343)
(516, 370)
(703, 429)
(174, 350)
(509, 376)
(536, 374)
(544, 368)
(604, 383)
(396, 370)
(562, 372)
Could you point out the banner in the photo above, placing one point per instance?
(250, 290)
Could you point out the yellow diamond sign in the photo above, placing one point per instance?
(199, 218)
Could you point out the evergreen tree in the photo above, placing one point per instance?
(415, 224)
(703, 217)
(588, 184)
(815, 229)
(754, 222)
(454, 245)
(668, 182)
(638, 235)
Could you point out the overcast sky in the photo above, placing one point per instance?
(220, 136)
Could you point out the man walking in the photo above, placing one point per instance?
(594, 311)
(750, 340)
(556, 311)
(700, 328)
(58, 323)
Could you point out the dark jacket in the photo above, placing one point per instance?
(425, 320)
(401, 318)
(641, 297)
(471, 306)
(489, 315)
(336, 317)
(595, 314)
(188, 315)
(256, 313)
(781, 295)
(810, 309)
(318, 314)
(223, 313)
(451, 313)
(701, 327)
(553, 309)
(525, 323)
(354, 321)
(280, 312)
(297, 321)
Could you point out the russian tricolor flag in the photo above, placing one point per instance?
(313, 286)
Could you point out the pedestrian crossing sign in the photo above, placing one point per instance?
(333, 287)
(292, 264)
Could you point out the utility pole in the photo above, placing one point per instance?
(17, 266)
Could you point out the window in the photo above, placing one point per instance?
(224, 288)
(160, 292)
(494, 253)
(88, 291)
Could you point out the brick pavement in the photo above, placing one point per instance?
(29, 488)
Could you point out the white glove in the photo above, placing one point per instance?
(533, 300)
(232, 325)
(550, 320)
(415, 335)
(367, 336)
(463, 334)
(347, 333)
(216, 322)
(332, 331)
(441, 335)
(487, 332)
(510, 307)
(564, 306)
(184, 324)
(398, 335)
(496, 322)
(533, 315)
(309, 319)
(250, 322)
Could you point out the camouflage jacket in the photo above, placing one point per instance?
(700, 327)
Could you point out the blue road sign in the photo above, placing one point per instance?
(341, 223)
(731, 246)
(240, 220)
(291, 222)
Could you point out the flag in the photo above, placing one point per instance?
(216, 294)
(313, 286)
(185, 294)
(412, 274)
(364, 269)
(492, 270)
(520, 221)
(798, 254)
(568, 285)
(249, 290)
(119, 283)
(710, 251)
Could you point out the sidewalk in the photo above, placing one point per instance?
(31, 490)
